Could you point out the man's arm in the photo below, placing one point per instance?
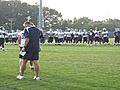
(26, 34)
(41, 34)
(26, 42)
(19, 39)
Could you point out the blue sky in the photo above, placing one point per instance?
(93, 9)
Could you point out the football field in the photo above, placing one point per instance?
(64, 68)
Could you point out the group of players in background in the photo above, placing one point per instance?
(76, 37)
(68, 37)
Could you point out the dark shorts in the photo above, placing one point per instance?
(75, 40)
(117, 39)
(43, 40)
(61, 40)
(84, 39)
(105, 39)
(101, 39)
(14, 39)
(6, 40)
(1, 41)
(56, 40)
(90, 39)
(68, 39)
(80, 38)
(50, 39)
(31, 56)
(97, 39)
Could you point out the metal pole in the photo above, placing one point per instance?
(11, 23)
(40, 15)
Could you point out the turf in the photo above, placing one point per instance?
(64, 68)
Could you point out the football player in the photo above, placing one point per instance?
(85, 36)
(105, 37)
(117, 36)
(50, 34)
(90, 37)
(2, 37)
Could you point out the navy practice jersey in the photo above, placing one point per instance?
(34, 35)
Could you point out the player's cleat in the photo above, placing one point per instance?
(20, 77)
(36, 78)
(3, 49)
(32, 68)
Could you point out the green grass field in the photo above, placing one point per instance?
(64, 68)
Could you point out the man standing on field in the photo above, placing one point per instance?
(32, 49)
(21, 42)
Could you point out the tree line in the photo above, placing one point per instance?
(13, 13)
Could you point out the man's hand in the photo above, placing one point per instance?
(23, 49)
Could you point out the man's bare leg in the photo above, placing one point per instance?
(36, 65)
(23, 67)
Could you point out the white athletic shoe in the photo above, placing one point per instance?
(4, 49)
(32, 68)
(1, 48)
(20, 77)
(36, 78)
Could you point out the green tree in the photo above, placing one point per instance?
(52, 18)
(16, 11)
(13, 11)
